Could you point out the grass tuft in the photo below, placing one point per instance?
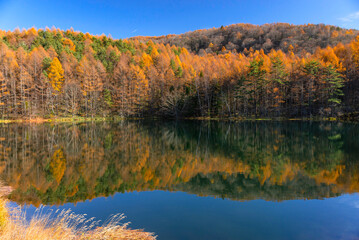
(64, 225)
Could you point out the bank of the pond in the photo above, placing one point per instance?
(349, 117)
(65, 226)
(242, 119)
(60, 120)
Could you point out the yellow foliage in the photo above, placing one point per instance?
(184, 51)
(146, 60)
(330, 177)
(56, 75)
(266, 172)
(10, 60)
(32, 31)
(69, 43)
(178, 61)
(329, 57)
(335, 34)
(355, 50)
(154, 52)
(58, 165)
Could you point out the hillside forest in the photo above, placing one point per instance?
(242, 70)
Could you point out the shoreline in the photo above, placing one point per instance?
(40, 120)
(61, 120)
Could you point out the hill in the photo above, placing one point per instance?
(279, 36)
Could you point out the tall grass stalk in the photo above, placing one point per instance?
(66, 225)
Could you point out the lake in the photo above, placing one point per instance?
(192, 179)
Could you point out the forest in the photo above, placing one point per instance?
(238, 71)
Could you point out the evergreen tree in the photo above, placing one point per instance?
(335, 84)
(255, 82)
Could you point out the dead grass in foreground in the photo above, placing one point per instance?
(62, 225)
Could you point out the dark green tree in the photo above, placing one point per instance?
(334, 82)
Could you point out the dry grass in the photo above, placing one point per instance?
(4, 216)
(62, 225)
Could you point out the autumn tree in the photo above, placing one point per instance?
(217, 73)
(10, 68)
(4, 94)
(90, 73)
(26, 83)
(55, 73)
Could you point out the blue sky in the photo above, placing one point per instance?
(129, 18)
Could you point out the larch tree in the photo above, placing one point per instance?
(236, 75)
(4, 94)
(10, 68)
(91, 72)
(72, 86)
(26, 83)
(55, 73)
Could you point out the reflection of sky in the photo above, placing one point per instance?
(154, 17)
(350, 200)
(177, 215)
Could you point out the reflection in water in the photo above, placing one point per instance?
(55, 164)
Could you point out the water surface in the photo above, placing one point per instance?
(193, 180)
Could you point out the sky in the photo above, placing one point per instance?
(123, 19)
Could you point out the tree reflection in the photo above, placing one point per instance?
(59, 163)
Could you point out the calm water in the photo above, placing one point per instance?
(193, 180)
